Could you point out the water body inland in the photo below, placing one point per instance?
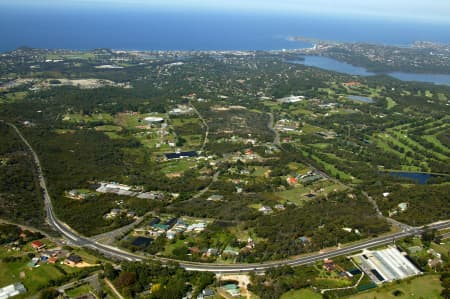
(418, 177)
(346, 68)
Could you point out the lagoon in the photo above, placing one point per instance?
(346, 68)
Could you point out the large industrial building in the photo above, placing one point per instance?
(386, 265)
(12, 290)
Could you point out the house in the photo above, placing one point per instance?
(327, 134)
(304, 240)
(171, 222)
(292, 180)
(154, 120)
(280, 207)
(113, 213)
(265, 210)
(232, 289)
(196, 227)
(194, 250)
(52, 260)
(171, 234)
(230, 251)
(212, 252)
(433, 263)
(208, 293)
(73, 260)
(310, 177)
(215, 198)
(159, 226)
(37, 245)
(73, 193)
(34, 262)
(415, 249)
(329, 265)
(403, 206)
(250, 243)
(154, 221)
(351, 84)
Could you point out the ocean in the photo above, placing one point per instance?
(164, 30)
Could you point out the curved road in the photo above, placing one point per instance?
(72, 236)
(119, 254)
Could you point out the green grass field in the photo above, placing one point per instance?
(108, 128)
(78, 291)
(301, 294)
(14, 97)
(432, 139)
(34, 279)
(426, 287)
(390, 103)
(78, 118)
(177, 165)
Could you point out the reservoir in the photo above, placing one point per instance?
(346, 68)
(419, 177)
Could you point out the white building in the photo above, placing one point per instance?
(386, 265)
(154, 119)
(12, 290)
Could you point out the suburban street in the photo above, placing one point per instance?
(115, 253)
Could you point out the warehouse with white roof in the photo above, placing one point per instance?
(386, 265)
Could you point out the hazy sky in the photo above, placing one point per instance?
(430, 10)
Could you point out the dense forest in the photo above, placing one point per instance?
(20, 195)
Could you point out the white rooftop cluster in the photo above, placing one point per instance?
(387, 265)
(12, 290)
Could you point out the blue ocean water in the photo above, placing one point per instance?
(165, 30)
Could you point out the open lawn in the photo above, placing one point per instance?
(301, 294)
(108, 128)
(260, 171)
(78, 291)
(13, 97)
(64, 131)
(130, 121)
(390, 103)
(443, 249)
(428, 287)
(432, 139)
(35, 278)
(80, 118)
(177, 165)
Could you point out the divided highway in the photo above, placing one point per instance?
(116, 253)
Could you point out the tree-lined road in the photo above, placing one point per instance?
(118, 254)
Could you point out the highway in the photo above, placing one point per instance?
(69, 234)
(118, 254)
(309, 259)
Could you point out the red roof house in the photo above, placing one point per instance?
(37, 244)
